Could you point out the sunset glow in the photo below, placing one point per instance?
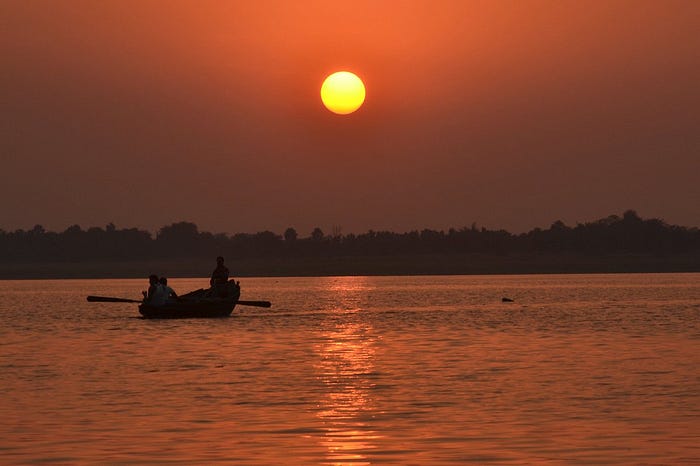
(343, 92)
(350, 233)
(499, 113)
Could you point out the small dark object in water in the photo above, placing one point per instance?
(506, 300)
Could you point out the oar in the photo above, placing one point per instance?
(107, 299)
(255, 303)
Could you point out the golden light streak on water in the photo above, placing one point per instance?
(345, 368)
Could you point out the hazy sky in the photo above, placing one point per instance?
(508, 114)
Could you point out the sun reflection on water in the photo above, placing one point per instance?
(345, 368)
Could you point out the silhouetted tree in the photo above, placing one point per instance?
(178, 238)
(630, 216)
(612, 234)
(178, 232)
(290, 235)
(317, 234)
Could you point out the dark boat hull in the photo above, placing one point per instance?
(197, 304)
(187, 310)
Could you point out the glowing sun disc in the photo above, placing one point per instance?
(342, 92)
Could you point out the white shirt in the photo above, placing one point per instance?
(168, 291)
(159, 296)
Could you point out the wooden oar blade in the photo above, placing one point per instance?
(108, 299)
(255, 303)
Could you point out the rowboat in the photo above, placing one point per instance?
(186, 309)
(218, 301)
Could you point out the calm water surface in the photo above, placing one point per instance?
(580, 369)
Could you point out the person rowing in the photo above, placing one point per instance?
(220, 274)
(219, 279)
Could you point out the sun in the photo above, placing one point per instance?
(343, 92)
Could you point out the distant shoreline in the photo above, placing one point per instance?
(399, 265)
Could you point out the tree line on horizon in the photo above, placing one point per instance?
(628, 233)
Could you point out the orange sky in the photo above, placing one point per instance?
(508, 114)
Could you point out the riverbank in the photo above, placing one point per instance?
(423, 264)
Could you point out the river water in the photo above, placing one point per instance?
(579, 369)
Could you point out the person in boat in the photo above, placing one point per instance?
(155, 296)
(220, 274)
(170, 294)
(219, 279)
